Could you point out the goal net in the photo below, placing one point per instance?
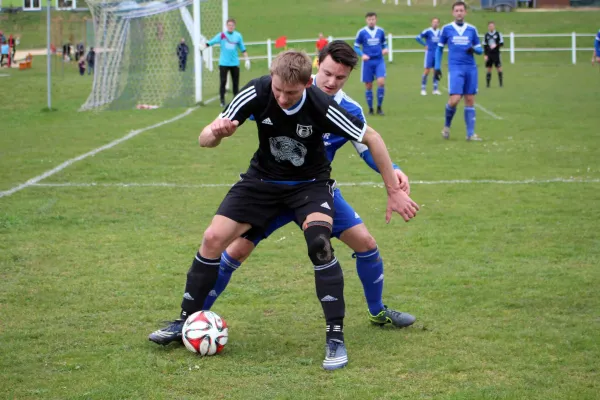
(139, 46)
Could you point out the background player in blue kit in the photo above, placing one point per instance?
(463, 41)
(374, 46)
(429, 38)
(336, 62)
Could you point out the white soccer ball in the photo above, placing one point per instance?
(205, 333)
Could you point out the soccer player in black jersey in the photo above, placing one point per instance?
(289, 171)
(492, 42)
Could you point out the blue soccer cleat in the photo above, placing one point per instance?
(336, 355)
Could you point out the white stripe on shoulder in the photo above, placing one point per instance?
(237, 99)
(343, 123)
(238, 102)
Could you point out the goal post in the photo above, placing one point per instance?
(139, 52)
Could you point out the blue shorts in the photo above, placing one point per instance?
(373, 68)
(429, 59)
(344, 218)
(462, 80)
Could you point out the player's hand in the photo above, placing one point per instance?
(203, 46)
(247, 64)
(399, 202)
(223, 127)
(426, 48)
(384, 51)
(470, 50)
(403, 179)
(485, 58)
(437, 74)
(365, 57)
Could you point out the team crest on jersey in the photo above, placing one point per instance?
(285, 148)
(304, 131)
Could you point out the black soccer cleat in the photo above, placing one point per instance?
(370, 111)
(380, 111)
(168, 334)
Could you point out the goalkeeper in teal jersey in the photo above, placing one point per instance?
(230, 41)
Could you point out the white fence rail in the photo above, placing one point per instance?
(395, 45)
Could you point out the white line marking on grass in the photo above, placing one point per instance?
(377, 184)
(482, 108)
(485, 110)
(64, 165)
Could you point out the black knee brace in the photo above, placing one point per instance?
(318, 240)
(329, 278)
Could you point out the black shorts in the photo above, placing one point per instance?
(257, 203)
(493, 59)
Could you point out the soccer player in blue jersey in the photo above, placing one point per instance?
(336, 62)
(230, 41)
(463, 41)
(596, 56)
(429, 38)
(374, 46)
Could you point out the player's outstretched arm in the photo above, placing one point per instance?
(365, 154)
(398, 200)
(220, 128)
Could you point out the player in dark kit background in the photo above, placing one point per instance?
(289, 171)
(491, 46)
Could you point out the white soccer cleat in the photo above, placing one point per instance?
(436, 92)
(446, 133)
(474, 138)
(423, 93)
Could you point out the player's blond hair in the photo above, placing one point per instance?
(292, 66)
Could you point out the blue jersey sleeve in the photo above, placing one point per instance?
(597, 44)
(421, 36)
(384, 43)
(443, 38)
(476, 42)
(439, 54)
(358, 43)
(365, 154)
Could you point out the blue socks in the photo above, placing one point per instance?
(435, 84)
(424, 82)
(369, 94)
(369, 267)
(380, 92)
(450, 114)
(470, 120)
(226, 268)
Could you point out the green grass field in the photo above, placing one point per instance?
(500, 266)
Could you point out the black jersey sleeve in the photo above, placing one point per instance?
(338, 121)
(244, 104)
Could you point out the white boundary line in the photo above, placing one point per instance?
(482, 108)
(485, 110)
(34, 181)
(377, 184)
